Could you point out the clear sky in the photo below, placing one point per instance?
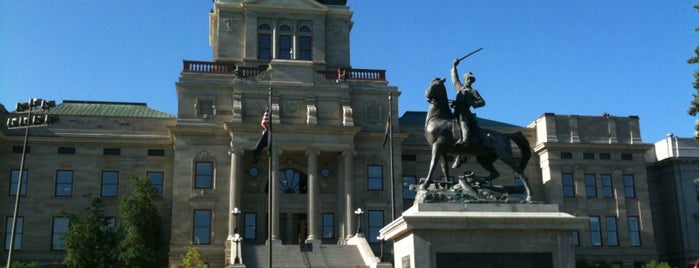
(621, 57)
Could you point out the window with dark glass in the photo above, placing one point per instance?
(605, 156)
(634, 231)
(305, 45)
(607, 187)
(375, 224)
(156, 181)
(64, 183)
(375, 178)
(566, 155)
(19, 149)
(328, 225)
(203, 175)
(568, 185)
(66, 150)
(285, 49)
(576, 238)
(590, 185)
(19, 233)
(156, 152)
(202, 227)
(292, 181)
(111, 151)
(110, 183)
(588, 156)
(407, 181)
(408, 157)
(626, 156)
(13, 182)
(595, 231)
(612, 237)
(205, 108)
(629, 186)
(59, 229)
(250, 228)
(264, 42)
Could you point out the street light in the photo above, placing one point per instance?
(359, 213)
(23, 118)
(237, 239)
(236, 212)
(380, 238)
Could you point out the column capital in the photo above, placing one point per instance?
(349, 152)
(312, 151)
(235, 151)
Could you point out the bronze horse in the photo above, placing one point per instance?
(490, 146)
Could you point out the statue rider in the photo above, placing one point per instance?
(466, 97)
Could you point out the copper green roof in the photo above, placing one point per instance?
(418, 118)
(107, 109)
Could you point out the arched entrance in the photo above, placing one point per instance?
(293, 220)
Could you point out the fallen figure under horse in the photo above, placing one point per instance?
(490, 145)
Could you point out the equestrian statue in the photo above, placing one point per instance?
(458, 133)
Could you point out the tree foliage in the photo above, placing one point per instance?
(656, 264)
(694, 104)
(140, 222)
(193, 258)
(90, 241)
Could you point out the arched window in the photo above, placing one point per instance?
(305, 45)
(264, 42)
(292, 181)
(284, 51)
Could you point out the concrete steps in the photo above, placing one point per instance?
(322, 255)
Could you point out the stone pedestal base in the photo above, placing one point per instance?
(481, 235)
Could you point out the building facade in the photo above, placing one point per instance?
(326, 160)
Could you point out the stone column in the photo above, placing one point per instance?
(234, 189)
(348, 156)
(312, 194)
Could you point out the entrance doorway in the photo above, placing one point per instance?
(293, 228)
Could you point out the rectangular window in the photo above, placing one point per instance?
(612, 237)
(204, 175)
(250, 228)
(110, 183)
(568, 185)
(605, 156)
(60, 228)
(305, 48)
(13, 182)
(407, 193)
(576, 238)
(375, 224)
(64, 183)
(205, 108)
(111, 151)
(607, 187)
(202, 227)
(66, 150)
(328, 225)
(626, 156)
(590, 185)
(375, 178)
(588, 156)
(408, 157)
(634, 231)
(595, 232)
(18, 149)
(19, 233)
(629, 186)
(284, 47)
(156, 152)
(264, 46)
(566, 155)
(156, 181)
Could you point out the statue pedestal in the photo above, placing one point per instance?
(448, 235)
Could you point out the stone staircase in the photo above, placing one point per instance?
(321, 255)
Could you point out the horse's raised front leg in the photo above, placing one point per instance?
(487, 163)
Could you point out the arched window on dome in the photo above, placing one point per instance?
(264, 42)
(305, 43)
(285, 48)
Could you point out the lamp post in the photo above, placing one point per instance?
(236, 212)
(237, 239)
(359, 213)
(23, 118)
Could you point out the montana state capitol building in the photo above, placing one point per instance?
(327, 160)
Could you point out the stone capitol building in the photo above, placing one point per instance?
(327, 159)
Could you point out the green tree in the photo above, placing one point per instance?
(140, 223)
(193, 258)
(90, 241)
(694, 104)
(656, 264)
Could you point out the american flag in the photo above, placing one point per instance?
(265, 121)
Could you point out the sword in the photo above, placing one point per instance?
(469, 54)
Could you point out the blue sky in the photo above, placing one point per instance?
(565, 57)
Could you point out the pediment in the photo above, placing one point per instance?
(305, 5)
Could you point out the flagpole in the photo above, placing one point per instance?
(390, 152)
(270, 182)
